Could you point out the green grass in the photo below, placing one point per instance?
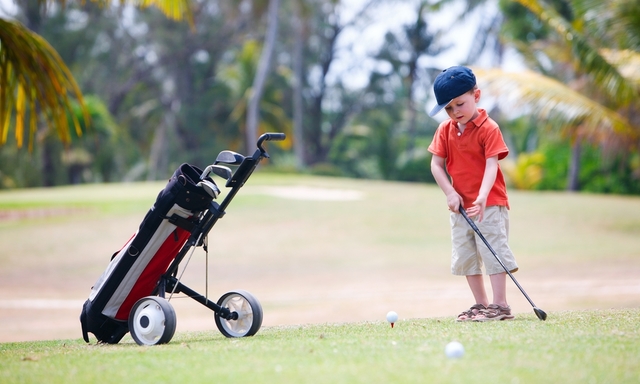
(570, 347)
(114, 198)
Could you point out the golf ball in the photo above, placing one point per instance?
(454, 350)
(392, 317)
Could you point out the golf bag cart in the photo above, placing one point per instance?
(130, 294)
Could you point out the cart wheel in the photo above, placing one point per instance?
(249, 314)
(152, 321)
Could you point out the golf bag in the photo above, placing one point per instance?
(134, 271)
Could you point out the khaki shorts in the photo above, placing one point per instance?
(469, 252)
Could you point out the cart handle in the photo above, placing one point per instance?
(271, 136)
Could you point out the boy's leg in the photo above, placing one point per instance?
(465, 261)
(499, 288)
(476, 283)
(499, 309)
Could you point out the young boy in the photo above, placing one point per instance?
(470, 144)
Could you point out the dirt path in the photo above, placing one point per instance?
(308, 299)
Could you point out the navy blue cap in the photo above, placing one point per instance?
(451, 83)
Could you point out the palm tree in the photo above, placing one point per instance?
(239, 77)
(35, 84)
(598, 102)
(260, 78)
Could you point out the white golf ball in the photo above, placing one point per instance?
(392, 317)
(454, 350)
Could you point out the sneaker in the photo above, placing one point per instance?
(494, 312)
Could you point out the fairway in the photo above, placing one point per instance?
(570, 347)
(314, 250)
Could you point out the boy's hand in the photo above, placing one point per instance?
(477, 210)
(454, 200)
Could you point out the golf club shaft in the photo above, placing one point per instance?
(475, 228)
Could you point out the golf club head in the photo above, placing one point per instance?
(542, 315)
(229, 157)
(221, 171)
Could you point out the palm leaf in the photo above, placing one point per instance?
(550, 100)
(173, 9)
(33, 79)
(604, 74)
(626, 61)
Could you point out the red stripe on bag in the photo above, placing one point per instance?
(148, 279)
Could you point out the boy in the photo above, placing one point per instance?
(470, 144)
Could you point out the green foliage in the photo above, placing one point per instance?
(526, 172)
(34, 82)
(18, 168)
(601, 172)
(353, 152)
(191, 82)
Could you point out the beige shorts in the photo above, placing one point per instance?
(469, 253)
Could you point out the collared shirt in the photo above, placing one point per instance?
(465, 155)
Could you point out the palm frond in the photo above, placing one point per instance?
(627, 62)
(603, 73)
(174, 9)
(549, 99)
(33, 79)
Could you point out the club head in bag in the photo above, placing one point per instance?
(222, 171)
(229, 157)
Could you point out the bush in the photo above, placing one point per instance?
(617, 173)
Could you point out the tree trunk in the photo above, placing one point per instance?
(253, 108)
(158, 147)
(298, 128)
(158, 157)
(412, 115)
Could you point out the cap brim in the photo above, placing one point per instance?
(438, 108)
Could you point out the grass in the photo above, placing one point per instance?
(326, 272)
(571, 347)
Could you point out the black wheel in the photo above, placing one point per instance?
(249, 313)
(152, 321)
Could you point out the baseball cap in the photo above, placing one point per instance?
(451, 83)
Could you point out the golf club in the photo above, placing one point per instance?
(542, 315)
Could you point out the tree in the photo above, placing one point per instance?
(33, 78)
(34, 81)
(238, 75)
(261, 75)
(581, 91)
(404, 52)
(328, 105)
(389, 130)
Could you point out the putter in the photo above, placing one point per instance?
(542, 315)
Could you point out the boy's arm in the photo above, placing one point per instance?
(440, 175)
(489, 177)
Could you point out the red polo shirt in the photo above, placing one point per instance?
(465, 157)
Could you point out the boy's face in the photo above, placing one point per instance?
(463, 108)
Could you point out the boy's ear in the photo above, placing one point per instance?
(477, 94)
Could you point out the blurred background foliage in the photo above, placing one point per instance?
(109, 91)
